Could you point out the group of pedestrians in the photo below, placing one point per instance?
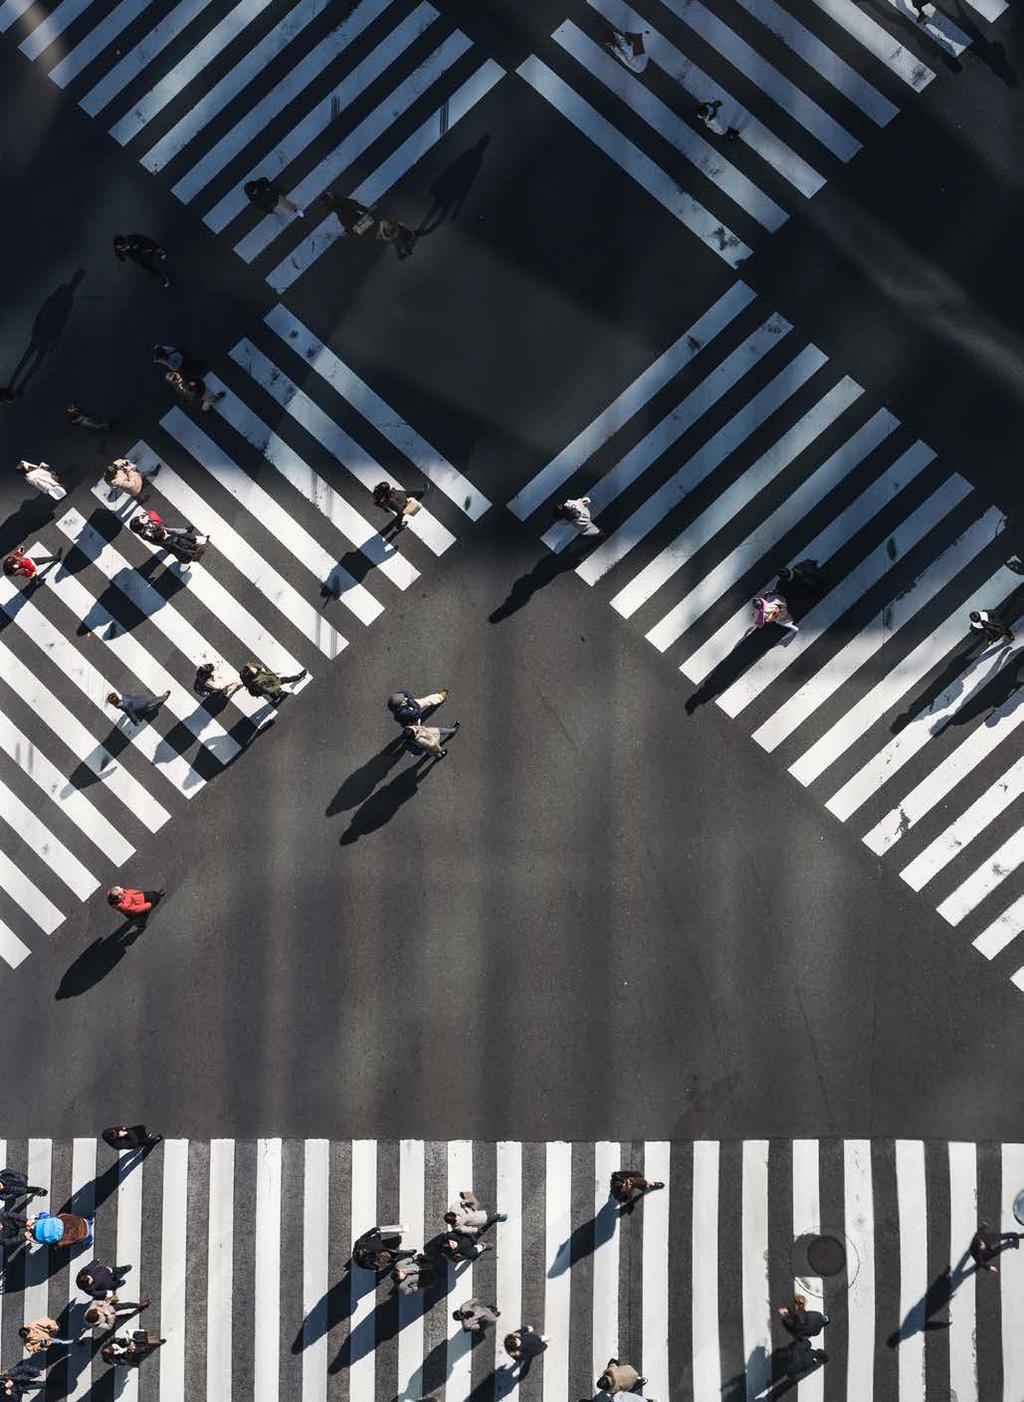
(105, 1311)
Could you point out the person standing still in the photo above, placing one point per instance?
(142, 251)
(43, 478)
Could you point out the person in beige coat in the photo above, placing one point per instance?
(619, 1377)
(43, 478)
(469, 1215)
(423, 740)
(127, 476)
(105, 1315)
(40, 1334)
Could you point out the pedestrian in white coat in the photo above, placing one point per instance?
(43, 478)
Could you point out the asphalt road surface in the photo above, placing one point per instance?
(609, 910)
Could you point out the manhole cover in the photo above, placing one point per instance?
(826, 1255)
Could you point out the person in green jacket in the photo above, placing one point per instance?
(262, 682)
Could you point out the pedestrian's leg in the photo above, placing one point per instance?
(286, 681)
(434, 699)
(154, 897)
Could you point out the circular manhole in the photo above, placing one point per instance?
(826, 1255)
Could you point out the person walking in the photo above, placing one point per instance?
(628, 48)
(470, 1216)
(524, 1344)
(407, 708)
(628, 1186)
(990, 625)
(130, 1348)
(98, 1281)
(463, 1246)
(16, 1380)
(772, 608)
(58, 1228)
(191, 389)
(121, 1137)
(799, 1321)
(142, 251)
(131, 901)
(423, 740)
(261, 682)
(76, 415)
(402, 504)
(13, 1226)
(265, 195)
(178, 358)
(416, 1273)
(576, 511)
(105, 1315)
(707, 112)
(619, 1377)
(474, 1317)
(393, 231)
(17, 565)
(40, 1334)
(14, 1184)
(798, 1359)
(126, 476)
(183, 542)
(987, 1244)
(138, 708)
(354, 218)
(380, 1248)
(215, 679)
(43, 478)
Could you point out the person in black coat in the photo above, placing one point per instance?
(130, 1137)
(14, 1184)
(142, 251)
(463, 1246)
(12, 1229)
(798, 1359)
(799, 1321)
(17, 1379)
(97, 1280)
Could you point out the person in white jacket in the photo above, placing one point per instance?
(42, 478)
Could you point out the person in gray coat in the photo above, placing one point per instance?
(417, 1274)
(475, 1317)
(138, 708)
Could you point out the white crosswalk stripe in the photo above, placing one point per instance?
(682, 1287)
(420, 78)
(804, 468)
(288, 549)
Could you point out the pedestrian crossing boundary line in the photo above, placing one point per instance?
(742, 448)
(685, 1287)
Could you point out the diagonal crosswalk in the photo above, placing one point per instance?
(244, 1246)
(361, 100)
(802, 90)
(741, 449)
(293, 551)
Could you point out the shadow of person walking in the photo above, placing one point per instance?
(382, 806)
(51, 318)
(545, 571)
(94, 963)
(452, 186)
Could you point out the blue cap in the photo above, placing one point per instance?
(48, 1230)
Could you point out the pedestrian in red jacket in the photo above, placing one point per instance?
(132, 902)
(17, 563)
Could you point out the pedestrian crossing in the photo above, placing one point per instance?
(742, 449)
(208, 97)
(296, 568)
(801, 90)
(244, 1247)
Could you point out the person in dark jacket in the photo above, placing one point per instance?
(137, 707)
(97, 1280)
(379, 1249)
(407, 709)
(628, 1185)
(131, 1136)
(13, 1226)
(987, 1244)
(402, 504)
(354, 218)
(131, 901)
(130, 1348)
(798, 1359)
(20, 1377)
(463, 1246)
(267, 685)
(799, 1321)
(992, 627)
(265, 195)
(15, 1184)
(143, 251)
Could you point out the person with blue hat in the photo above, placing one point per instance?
(60, 1229)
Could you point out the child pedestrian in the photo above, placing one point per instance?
(43, 478)
(269, 197)
(577, 513)
(261, 682)
(139, 249)
(423, 740)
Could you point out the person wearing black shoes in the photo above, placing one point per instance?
(130, 1137)
(139, 249)
(407, 709)
(991, 626)
(423, 740)
(15, 1184)
(799, 1321)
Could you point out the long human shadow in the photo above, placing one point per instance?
(98, 960)
(758, 1366)
(545, 572)
(499, 1383)
(952, 675)
(747, 651)
(386, 1320)
(988, 51)
(87, 1200)
(919, 1318)
(382, 806)
(358, 787)
(47, 328)
(587, 1237)
(995, 694)
(64, 1373)
(451, 188)
(335, 1306)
